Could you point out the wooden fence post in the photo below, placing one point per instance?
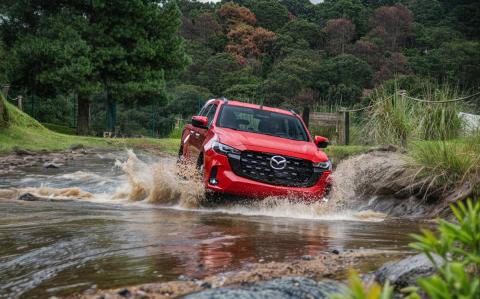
(346, 123)
(343, 127)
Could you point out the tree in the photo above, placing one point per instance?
(127, 47)
(342, 78)
(340, 32)
(270, 14)
(291, 80)
(213, 74)
(346, 9)
(368, 52)
(300, 29)
(186, 99)
(247, 42)
(394, 65)
(457, 62)
(54, 58)
(232, 15)
(392, 25)
(426, 12)
(300, 8)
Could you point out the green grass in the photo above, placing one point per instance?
(24, 132)
(60, 129)
(447, 163)
(336, 153)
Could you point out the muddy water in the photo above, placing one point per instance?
(136, 222)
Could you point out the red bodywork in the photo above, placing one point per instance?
(197, 148)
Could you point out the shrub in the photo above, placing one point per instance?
(457, 244)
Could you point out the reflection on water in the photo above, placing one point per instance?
(58, 248)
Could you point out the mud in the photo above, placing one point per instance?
(323, 266)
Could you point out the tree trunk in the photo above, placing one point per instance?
(306, 115)
(83, 115)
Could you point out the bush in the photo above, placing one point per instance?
(457, 244)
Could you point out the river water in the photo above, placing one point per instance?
(109, 237)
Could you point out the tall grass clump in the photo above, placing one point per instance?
(442, 164)
(438, 121)
(389, 121)
(394, 117)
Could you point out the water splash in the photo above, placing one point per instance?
(162, 182)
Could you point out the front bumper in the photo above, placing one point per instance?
(228, 182)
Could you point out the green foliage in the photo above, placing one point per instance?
(394, 119)
(389, 121)
(457, 245)
(187, 99)
(358, 291)
(450, 163)
(343, 78)
(346, 9)
(213, 74)
(300, 29)
(457, 62)
(270, 14)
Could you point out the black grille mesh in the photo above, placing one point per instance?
(256, 166)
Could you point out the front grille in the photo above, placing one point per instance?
(256, 166)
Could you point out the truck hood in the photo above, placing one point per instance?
(264, 143)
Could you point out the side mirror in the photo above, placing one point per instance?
(200, 121)
(321, 142)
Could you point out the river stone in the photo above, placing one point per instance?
(282, 288)
(406, 272)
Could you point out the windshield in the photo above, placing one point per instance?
(262, 122)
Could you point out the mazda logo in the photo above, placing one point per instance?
(278, 162)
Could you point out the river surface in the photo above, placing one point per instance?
(105, 241)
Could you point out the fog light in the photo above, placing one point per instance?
(213, 176)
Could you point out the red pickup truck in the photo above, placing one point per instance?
(255, 151)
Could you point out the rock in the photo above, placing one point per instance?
(307, 257)
(282, 288)
(78, 146)
(124, 293)
(28, 197)
(32, 197)
(335, 251)
(406, 272)
(51, 165)
(22, 152)
(206, 285)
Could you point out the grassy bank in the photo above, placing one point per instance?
(22, 131)
(447, 164)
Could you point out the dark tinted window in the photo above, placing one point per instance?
(262, 122)
(210, 114)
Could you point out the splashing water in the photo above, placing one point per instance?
(163, 182)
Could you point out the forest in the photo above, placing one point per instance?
(137, 67)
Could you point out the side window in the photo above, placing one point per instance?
(211, 114)
(204, 110)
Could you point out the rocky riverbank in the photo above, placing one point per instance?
(308, 277)
(20, 159)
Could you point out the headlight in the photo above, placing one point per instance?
(323, 165)
(224, 149)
